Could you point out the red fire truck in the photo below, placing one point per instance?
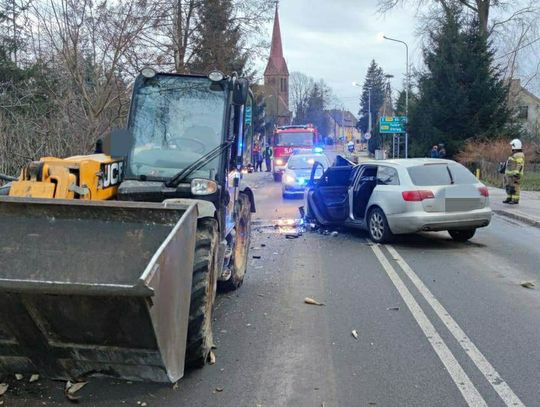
(286, 139)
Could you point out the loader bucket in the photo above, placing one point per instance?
(95, 287)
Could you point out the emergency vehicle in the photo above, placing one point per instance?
(287, 139)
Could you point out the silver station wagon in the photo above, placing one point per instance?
(399, 196)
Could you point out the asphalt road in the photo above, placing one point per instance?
(438, 324)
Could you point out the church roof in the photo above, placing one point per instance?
(276, 63)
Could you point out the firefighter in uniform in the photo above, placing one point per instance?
(514, 172)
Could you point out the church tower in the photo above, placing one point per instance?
(276, 80)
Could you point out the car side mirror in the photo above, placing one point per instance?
(240, 91)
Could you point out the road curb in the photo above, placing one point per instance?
(522, 217)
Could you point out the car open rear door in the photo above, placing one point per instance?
(363, 185)
(328, 196)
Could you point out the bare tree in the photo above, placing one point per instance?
(482, 9)
(90, 43)
(173, 44)
(300, 89)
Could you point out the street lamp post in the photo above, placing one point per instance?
(406, 89)
(369, 110)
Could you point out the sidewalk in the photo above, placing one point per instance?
(528, 210)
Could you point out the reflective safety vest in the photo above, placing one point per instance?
(515, 165)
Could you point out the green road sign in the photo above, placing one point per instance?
(392, 124)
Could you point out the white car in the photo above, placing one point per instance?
(391, 197)
(298, 172)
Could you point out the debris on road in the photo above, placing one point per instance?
(19, 376)
(527, 284)
(211, 358)
(3, 388)
(311, 301)
(71, 390)
(256, 257)
(33, 378)
(292, 236)
(392, 309)
(354, 334)
(334, 233)
(219, 389)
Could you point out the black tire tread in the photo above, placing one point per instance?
(236, 280)
(462, 235)
(199, 338)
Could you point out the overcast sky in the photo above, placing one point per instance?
(336, 39)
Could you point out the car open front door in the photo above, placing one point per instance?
(328, 196)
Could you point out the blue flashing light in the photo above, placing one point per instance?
(318, 150)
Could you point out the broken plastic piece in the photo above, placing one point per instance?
(311, 301)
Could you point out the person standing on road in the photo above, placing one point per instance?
(268, 154)
(514, 173)
(257, 158)
(442, 151)
(435, 152)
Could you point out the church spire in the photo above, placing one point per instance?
(276, 62)
(277, 49)
(276, 79)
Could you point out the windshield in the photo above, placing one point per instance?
(441, 174)
(305, 162)
(175, 121)
(294, 139)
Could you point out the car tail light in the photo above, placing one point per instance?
(417, 196)
(484, 191)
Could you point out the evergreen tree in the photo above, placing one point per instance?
(375, 81)
(461, 95)
(219, 45)
(400, 101)
(317, 102)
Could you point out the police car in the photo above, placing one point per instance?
(297, 172)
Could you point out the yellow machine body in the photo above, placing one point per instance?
(87, 177)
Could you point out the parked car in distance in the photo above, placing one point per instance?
(401, 196)
(298, 172)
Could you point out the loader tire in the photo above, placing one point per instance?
(239, 260)
(203, 293)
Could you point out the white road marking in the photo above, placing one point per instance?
(458, 375)
(501, 387)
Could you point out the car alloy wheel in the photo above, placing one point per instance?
(376, 225)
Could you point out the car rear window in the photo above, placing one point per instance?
(462, 175)
(440, 174)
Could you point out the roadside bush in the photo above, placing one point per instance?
(486, 155)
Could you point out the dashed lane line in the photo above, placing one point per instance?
(458, 375)
(492, 376)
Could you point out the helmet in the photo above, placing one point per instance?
(516, 144)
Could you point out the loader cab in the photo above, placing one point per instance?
(185, 137)
(174, 120)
